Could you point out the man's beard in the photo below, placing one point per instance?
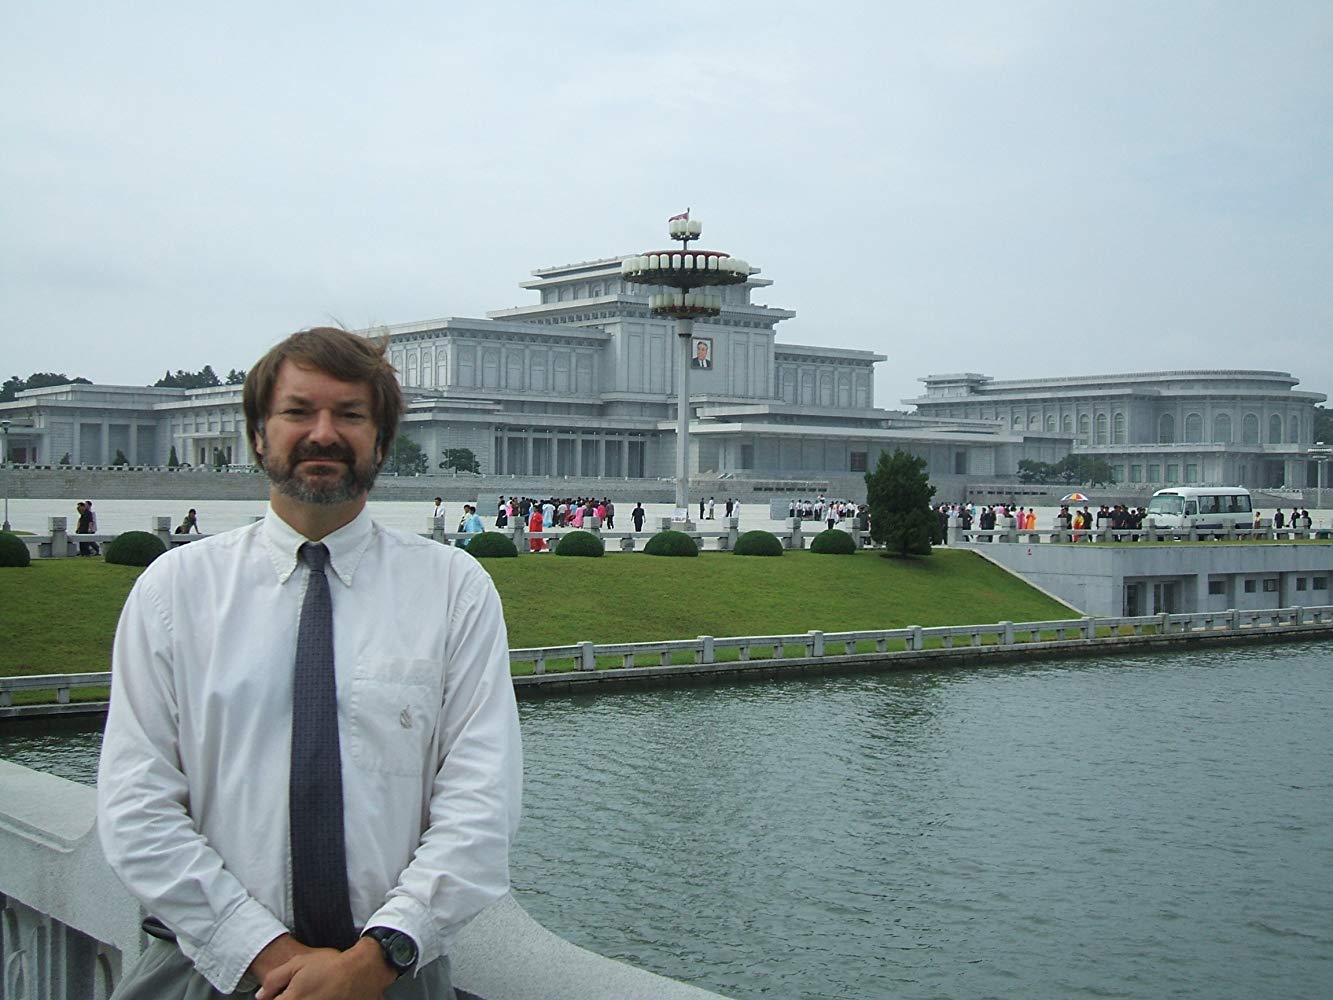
(356, 480)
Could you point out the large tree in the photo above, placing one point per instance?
(461, 459)
(898, 494)
(13, 385)
(1323, 425)
(405, 457)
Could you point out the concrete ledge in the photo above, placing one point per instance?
(68, 928)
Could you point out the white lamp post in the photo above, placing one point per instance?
(684, 270)
(4, 459)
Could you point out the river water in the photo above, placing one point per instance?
(1144, 826)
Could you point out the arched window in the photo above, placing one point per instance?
(1067, 424)
(1166, 429)
(1084, 428)
(1101, 428)
(1274, 429)
(427, 368)
(1222, 428)
(1118, 429)
(1293, 429)
(1193, 428)
(1050, 423)
(1034, 423)
(1017, 423)
(1249, 429)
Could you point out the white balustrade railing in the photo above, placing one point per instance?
(812, 646)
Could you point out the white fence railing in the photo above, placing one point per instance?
(814, 646)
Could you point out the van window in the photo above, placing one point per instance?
(1208, 504)
(1167, 503)
(1191, 507)
(1240, 504)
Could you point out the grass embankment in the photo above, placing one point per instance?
(60, 615)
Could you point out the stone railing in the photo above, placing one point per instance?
(582, 662)
(59, 543)
(68, 929)
(1147, 534)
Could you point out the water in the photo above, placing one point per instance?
(1139, 827)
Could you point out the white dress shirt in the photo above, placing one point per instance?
(193, 783)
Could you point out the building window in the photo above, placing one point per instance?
(1217, 588)
(1300, 583)
(1274, 429)
(1173, 473)
(1191, 473)
(1270, 586)
(1166, 429)
(1101, 428)
(1118, 473)
(1118, 429)
(1050, 423)
(1222, 429)
(857, 463)
(1251, 586)
(1154, 473)
(1319, 583)
(1136, 473)
(1293, 430)
(1084, 428)
(960, 463)
(1067, 424)
(1193, 428)
(1249, 429)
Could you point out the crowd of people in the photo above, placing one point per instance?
(831, 511)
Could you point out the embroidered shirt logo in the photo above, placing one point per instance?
(405, 718)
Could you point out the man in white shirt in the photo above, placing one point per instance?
(206, 804)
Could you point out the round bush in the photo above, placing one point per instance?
(580, 543)
(758, 543)
(12, 550)
(671, 543)
(834, 542)
(491, 545)
(134, 548)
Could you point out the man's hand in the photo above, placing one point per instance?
(303, 973)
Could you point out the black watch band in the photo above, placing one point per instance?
(400, 951)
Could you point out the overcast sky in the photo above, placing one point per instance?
(1010, 188)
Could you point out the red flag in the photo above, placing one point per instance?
(683, 215)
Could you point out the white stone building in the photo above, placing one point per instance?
(1156, 429)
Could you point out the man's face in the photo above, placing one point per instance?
(700, 351)
(318, 442)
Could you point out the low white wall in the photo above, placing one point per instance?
(68, 928)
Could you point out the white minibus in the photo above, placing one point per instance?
(1204, 507)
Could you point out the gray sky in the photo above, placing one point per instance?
(1018, 189)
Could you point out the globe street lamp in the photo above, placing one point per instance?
(684, 271)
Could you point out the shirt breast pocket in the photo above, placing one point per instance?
(393, 710)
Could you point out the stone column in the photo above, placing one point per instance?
(578, 454)
(57, 526)
(527, 445)
(624, 458)
(601, 456)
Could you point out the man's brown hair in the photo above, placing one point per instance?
(335, 352)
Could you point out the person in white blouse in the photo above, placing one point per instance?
(198, 757)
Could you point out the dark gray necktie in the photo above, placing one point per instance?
(319, 857)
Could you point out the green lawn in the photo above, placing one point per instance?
(61, 614)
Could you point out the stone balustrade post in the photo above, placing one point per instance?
(161, 527)
(797, 539)
(917, 640)
(1007, 639)
(520, 535)
(587, 658)
(706, 652)
(733, 532)
(816, 642)
(627, 542)
(58, 527)
(437, 530)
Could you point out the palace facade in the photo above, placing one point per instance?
(581, 383)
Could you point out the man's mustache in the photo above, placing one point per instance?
(304, 452)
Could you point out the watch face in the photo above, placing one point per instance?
(402, 951)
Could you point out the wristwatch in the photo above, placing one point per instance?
(400, 951)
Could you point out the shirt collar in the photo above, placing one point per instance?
(346, 545)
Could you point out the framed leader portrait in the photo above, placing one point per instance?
(703, 353)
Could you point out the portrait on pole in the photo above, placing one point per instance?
(703, 353)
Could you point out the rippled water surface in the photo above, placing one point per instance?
(1132, 827)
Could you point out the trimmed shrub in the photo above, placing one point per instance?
(12, 550)
(133, 548)
(671, 543)
(758, 543)
(580, 543)
(833, 542)
(491, 545)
